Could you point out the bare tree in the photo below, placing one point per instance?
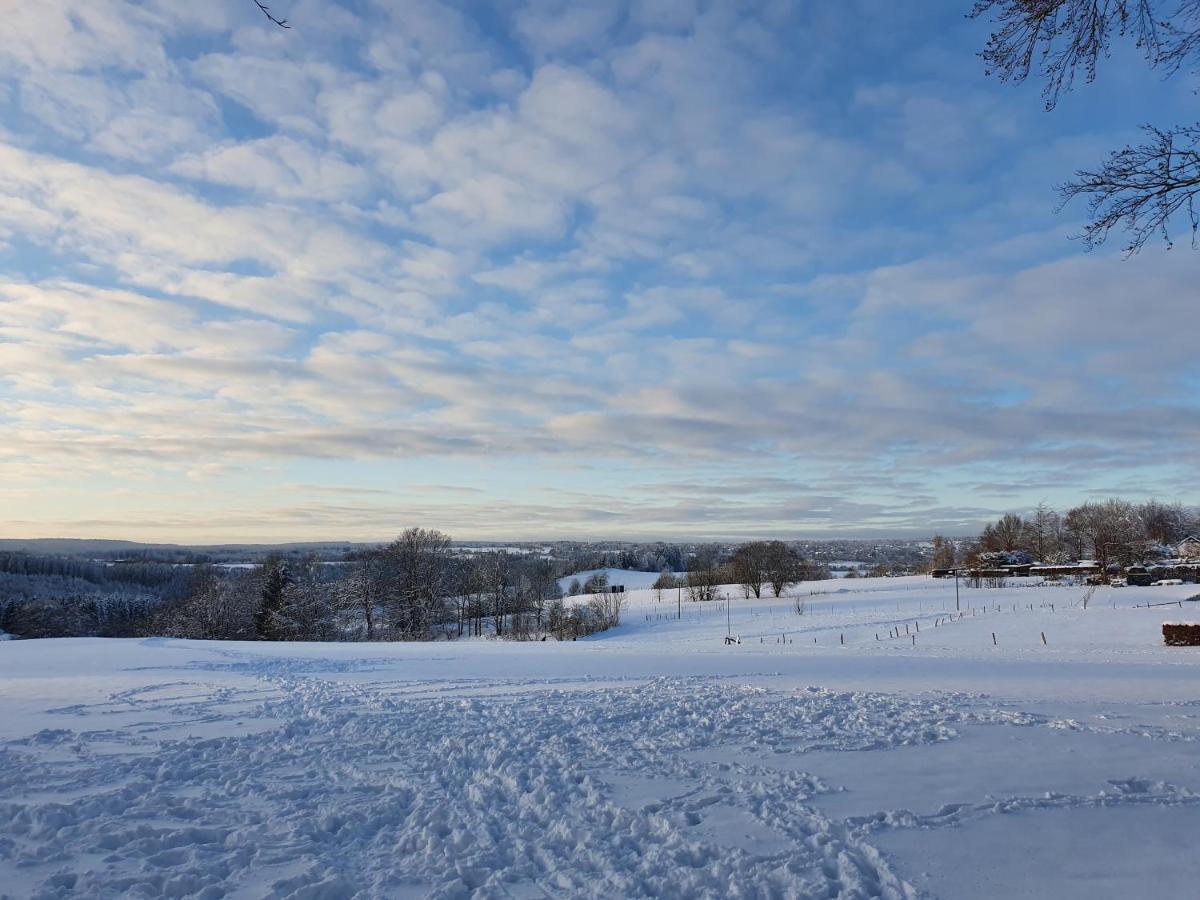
(543, 589)
(1007, 534)
(1164, 523)
(606, 607)
(216, 608)
(750, 567)
(1112, 528)
(362, 589)
(783, 566)
(470, 587)
(1046, 529)
(943, 553)
(417, 581)
(1142, 187)
(811, 570)
(664, 582)
(497, 576)
(704, 576)
(596, 583)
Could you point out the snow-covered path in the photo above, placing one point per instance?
(651, 762)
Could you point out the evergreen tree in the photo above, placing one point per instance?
(275, 582)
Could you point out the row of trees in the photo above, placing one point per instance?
(775, 564)
(754, 566)
(654, 557)
(32, 573)
(415, 588)
(76, 615)
(1109, 531)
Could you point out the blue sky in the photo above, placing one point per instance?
(550, 269)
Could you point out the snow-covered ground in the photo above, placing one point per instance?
(630, 578)
(828, 754)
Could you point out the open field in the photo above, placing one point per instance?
(820, 757)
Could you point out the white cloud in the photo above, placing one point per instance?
(280, 167)
(602, 239)
(551, 26)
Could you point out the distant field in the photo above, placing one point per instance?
(632, 580)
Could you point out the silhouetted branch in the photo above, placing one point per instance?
(266, 11)
(1060, 37)
(1141, 187)
(1182, 44)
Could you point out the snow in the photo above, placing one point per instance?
(630, 578)
(653, 760)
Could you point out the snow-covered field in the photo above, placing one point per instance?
(838, 753)
(631, 579)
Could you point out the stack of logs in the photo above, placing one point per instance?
(1181, 634)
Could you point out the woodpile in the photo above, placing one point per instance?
(1181, 634)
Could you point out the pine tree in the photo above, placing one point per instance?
(274, 585)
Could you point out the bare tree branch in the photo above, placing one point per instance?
(1181, 46)
(266, 11)
(1058, 38)
(1140, 188)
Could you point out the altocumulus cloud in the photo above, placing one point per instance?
(645, 269)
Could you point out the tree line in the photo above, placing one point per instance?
(755, 567)
(415, 588)
(1112, 531)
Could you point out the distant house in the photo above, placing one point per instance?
(1188, 548)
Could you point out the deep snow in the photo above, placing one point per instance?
(810, 760)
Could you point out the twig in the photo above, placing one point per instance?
(266, 11)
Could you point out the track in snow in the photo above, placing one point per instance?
(324, 781)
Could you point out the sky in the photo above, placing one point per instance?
(647, 270)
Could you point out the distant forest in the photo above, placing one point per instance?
(421, 586)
